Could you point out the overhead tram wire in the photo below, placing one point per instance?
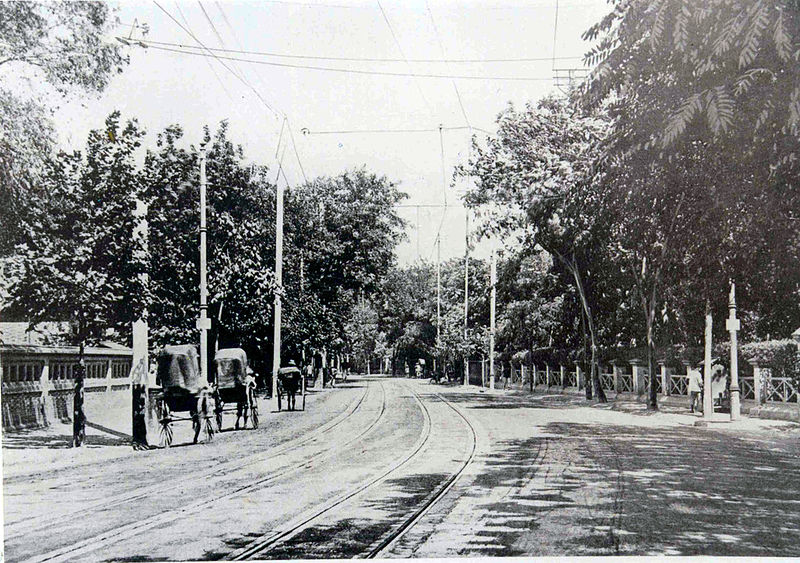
(240, 78)
(242, 51)
(402, 54)
(210, 64)
(258, 77)
(377, 131)
(355, 71)
(444, 56)
(220, 59)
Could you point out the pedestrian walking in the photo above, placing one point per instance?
(695, 387)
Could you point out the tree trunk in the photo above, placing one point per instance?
(78, 415)
(652, 401)
(598, 389)
(587, 385)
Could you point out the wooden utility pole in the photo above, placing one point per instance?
(438, 297)
(492, 284)
(733, 325)
(466, 298)
(276, 341)
(140, 367)
(203, 323)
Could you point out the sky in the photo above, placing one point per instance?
(342, 120)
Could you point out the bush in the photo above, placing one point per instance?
(763, 353)
(786, 362)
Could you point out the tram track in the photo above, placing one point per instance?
(25, 526)
(390, 539)
(308, 519)
(126, 531)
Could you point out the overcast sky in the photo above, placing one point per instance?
(161, 88)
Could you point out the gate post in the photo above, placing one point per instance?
(579, 376)
(563, 371)
(615, 371)
(756, 383)
(666, 373)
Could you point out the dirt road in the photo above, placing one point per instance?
(400, 468)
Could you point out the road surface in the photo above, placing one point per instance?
(384, 467)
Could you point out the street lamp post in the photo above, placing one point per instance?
(732, 324)
(492, 284)
(276, 343)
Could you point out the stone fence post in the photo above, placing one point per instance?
(579, 376)
(758, 372)
(563, 371)
(547, 374)
(638, 376)
(666, 373)
(616, 374)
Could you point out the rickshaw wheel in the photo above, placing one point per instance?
(166, 424)
(166, 434)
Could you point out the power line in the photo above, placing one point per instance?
(444, 56)
(555, 34)
(242, 51)
(258, 77)
(216, 57)
(371, 131)
(242, 79)
(355, 71)
(402, 54)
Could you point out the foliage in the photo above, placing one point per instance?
(61, 40)
(763, 353)
(83, 265)
(539, 179)
(62, 44)
(727, 72)
(240, 243)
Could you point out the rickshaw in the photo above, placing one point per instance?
(182, 390)
(290, 381)
(232, 384)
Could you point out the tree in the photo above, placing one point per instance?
(60, 44)
(240, 243)
(344, 230)
(706, 109)
(539, 179)
(84, 264)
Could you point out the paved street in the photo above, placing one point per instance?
(401, 468)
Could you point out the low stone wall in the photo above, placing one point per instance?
(38, 386)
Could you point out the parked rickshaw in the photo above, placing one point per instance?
(290, 382)
(182, 391)
(233, 384)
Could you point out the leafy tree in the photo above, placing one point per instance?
(60, 44)
(538, 179)
(705, 107)
(344, 229)
(84, 264)
(240, 243)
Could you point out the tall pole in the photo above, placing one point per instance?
(708, 402)
(140, 368)
(466, 299)
(204, 323)
(733, 325)
(276, 341)
(492, 284)
(438, 290)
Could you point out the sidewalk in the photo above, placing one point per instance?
(674, 403)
